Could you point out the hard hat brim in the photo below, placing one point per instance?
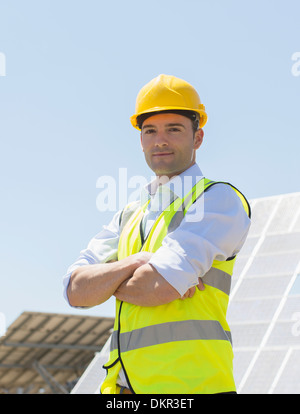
(202, 114)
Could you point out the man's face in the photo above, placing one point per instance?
(169, 143)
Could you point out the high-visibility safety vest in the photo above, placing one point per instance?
(182, 347)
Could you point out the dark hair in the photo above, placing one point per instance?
(193, 116)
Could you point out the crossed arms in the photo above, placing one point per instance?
(220, 234)
(132, 280)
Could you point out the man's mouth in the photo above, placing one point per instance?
(161, 154)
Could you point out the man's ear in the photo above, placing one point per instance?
(198, 138)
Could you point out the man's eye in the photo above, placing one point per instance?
(174, 129)
(149, 131)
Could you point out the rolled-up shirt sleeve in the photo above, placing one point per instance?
(189, 251)
(101, 249)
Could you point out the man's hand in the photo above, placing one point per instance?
(142, 258)
(146, 287)
(191, 291)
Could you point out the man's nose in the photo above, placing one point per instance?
(161, 139)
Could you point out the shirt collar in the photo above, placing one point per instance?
(179, 185)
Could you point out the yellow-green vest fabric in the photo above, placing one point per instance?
(183, 347)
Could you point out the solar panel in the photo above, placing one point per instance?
(45, 352)
(289, 379)
(264, 310)
(263, 373)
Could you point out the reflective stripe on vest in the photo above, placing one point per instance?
(163, 338)
(169, 332)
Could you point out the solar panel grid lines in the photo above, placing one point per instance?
(280, 371)
(270, 329)
(45, 353)
(256, 248)
(289, 382)
(266, 301)
(294, 221)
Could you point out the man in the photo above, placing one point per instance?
(168, 259)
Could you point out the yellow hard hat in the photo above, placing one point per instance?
(167, 93)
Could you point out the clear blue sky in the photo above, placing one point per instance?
(73, 70)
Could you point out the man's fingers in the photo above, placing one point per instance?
(185, 295)
(191, 291)
(200, 285)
